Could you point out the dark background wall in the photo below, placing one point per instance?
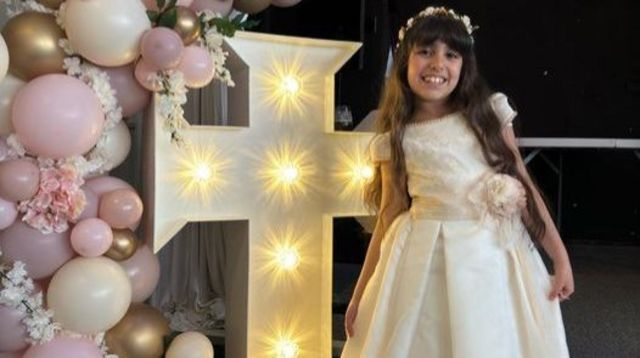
(571, 67)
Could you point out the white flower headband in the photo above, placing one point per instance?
(442, 11)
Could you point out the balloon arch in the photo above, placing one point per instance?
(71, 73)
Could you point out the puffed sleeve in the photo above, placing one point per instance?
(380, 148)
(500, 105)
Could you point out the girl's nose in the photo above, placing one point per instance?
(437, 62)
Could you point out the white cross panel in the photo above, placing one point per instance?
(286, 172)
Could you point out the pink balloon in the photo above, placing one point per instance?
(13, 333)
(145, 74)
(161, 48)
(151, 4)
(57, 116)
(91, 237)
(120, 208)
(132, 97)
(105, 184)
(197, 67)
(19, 179)
(143, 269)
(222, 7)
(284, 3)
(41, 253)
(91, 205)
(65, 347)
(8, 214)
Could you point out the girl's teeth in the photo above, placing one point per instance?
(436, 80)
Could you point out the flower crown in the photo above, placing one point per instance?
(440, 11)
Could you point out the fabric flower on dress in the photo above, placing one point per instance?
(499, 195)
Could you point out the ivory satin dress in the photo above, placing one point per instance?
(452, 281)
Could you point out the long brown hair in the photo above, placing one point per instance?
(471, 97)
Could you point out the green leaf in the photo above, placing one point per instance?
(172, 4)
(169, 18)
(160, 4)
(152, 15)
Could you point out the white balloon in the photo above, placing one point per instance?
(117, 145)
(4, 58)
(107, 32)
(190, 345)
(8, 89)
(89, 295)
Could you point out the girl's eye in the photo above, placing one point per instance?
(453, 55)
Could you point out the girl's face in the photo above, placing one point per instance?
(433, 72)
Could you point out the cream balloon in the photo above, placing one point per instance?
(4, 58)
(116, 145)
(8, 89)
(89, 295)
(107, 32)
(190, 345)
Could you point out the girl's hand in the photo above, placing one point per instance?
(350, 317)
(562, 286)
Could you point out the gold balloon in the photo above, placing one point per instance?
(251, 6)
(124, 245)
(140, 333)
(51, 4)
(32, 40)
(187, 25)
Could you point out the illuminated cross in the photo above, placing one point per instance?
(285, 172)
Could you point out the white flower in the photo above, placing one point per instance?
(499, 195)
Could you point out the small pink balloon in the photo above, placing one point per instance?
(146, 75)
(143, 269)
(65, 347)
(91, 237)
(19, 179)
(151, 4)
(105, 184)
(197, 67)
(91, 205)
(57, 116)
(8, 214)
(120, 208)
(41, 253)
(131, 96)
(161, 48)
(13, 333)
(284, 3)
(222, 7)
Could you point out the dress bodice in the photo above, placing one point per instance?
(444, 161)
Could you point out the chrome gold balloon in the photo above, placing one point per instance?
(124, 245)
(187, 25)
(139, 334)
(32, 40)
(51, 4)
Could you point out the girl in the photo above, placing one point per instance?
(451, 270)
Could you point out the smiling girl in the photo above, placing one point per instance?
(452, 269)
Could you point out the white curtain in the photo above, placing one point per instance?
(191, 288)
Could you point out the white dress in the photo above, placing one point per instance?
(454, 280)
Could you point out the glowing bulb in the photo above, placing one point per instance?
(364, 173)
(290, 85)
(287, 349)
(202, 172)
(288, 258)
(289, 173)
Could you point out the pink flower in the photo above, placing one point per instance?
(58, 200)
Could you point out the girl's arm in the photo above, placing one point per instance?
(563, 285)
(390, 207)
